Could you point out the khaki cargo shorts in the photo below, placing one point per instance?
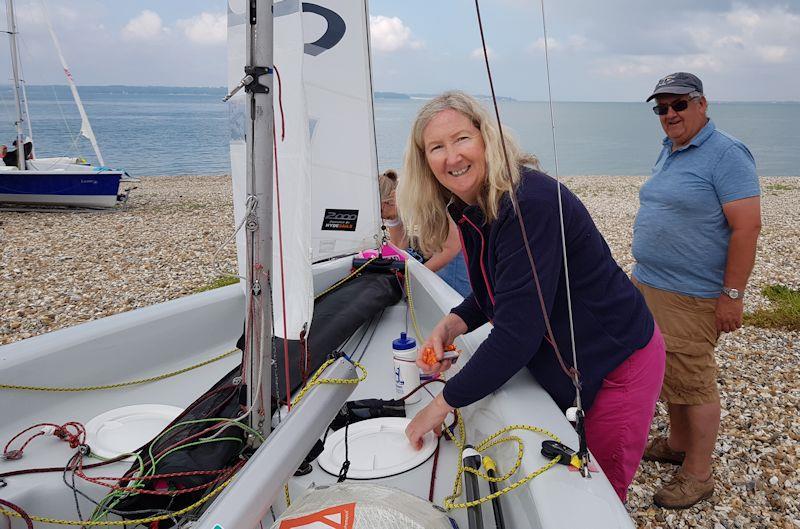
(690, 333)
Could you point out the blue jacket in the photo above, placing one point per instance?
(611, 319)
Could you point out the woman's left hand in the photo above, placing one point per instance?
(430, 418)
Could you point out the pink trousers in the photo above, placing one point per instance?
(618, 423)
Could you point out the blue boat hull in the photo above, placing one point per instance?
(60, 188)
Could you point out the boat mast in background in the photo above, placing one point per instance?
(86, 127)
(12, 35)
(259, 138)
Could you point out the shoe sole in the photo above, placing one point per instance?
(684, 506)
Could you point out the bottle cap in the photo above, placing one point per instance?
(403, 343)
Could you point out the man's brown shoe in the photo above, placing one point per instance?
(658, 450)
(684, 491)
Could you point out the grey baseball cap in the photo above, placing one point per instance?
(678, 83)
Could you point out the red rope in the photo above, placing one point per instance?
(100, 479)
(433, 470)
(224, 474)
(571, 372)
(19, 511)
(280, 102)
(60, 431)
(185, 440)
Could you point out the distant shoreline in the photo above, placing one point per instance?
(378, 94)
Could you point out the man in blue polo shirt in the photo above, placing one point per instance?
(694, 242)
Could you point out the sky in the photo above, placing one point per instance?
(610, 50)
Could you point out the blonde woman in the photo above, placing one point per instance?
(455, 169)
(446, 261)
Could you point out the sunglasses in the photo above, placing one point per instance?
(677, 106)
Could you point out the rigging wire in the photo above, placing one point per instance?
(572, 372)
(560, 203)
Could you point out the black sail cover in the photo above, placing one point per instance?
(337, 315)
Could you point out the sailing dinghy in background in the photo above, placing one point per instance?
(57, 181)
(125, 377)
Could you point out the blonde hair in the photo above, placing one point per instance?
(387, 183)
(422, 200)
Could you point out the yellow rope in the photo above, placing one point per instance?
(142, 521)
(121, 384)
(166, 375)
(491, 441)
(411, 304)
(315, 380)
(346, 279)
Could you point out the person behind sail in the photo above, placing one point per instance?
(455, 171)
(10, 156)
(447, 262)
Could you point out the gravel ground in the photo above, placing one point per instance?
(61, 268)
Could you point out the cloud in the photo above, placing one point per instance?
(477, 54)
(573, 43)
(637, 65)
(773, 53)
(729, 41)
(744, 18)
(389, 34)
(33, 15)
(205, 28)
(552, 44)
(745, 37)
(145, 26)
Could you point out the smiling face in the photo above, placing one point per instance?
(456, 154)
(682, 126)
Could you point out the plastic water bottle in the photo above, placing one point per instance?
(406, 372)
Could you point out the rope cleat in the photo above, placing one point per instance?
(551, 449)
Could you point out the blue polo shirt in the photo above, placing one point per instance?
(681, 235)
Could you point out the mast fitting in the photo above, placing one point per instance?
(252, 75)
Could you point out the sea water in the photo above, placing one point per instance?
(175, 131)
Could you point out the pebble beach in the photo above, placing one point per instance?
(61, 268)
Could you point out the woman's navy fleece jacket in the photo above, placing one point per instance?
(611, 319)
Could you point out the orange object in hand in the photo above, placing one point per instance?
(429, 355)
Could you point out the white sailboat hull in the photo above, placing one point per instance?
(166, 337)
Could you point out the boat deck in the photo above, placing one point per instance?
(174, 335)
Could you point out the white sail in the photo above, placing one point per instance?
(344, 160)
(340, 213)
(292, 285)
(86, 127)
(293, 288)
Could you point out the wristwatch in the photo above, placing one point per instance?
(733, 293)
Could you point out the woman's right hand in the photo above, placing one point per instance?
(446, 331)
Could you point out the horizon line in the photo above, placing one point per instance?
(409, 95)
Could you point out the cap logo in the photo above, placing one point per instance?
(668, 79)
